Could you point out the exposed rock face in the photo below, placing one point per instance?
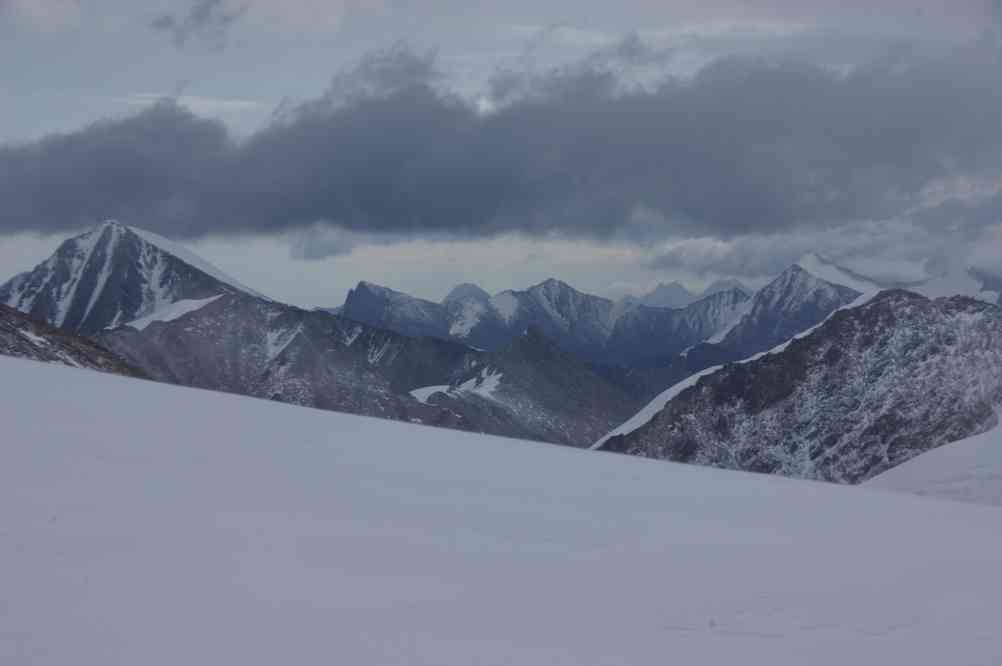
(241, 344)
(870, 388)
(23, 337)
(548, 391)
(108, 276)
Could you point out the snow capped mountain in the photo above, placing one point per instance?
(726, 285)
(27, 338)
(668, 295)
(645, 336)
(469, 308)
(793, 302)
(869, 388)
(466, 292)
(594, 328)
(111, 275)
(676, 295)
(396, 311)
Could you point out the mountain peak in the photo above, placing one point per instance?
(365, 285)
(111, 224)
(112, 274)
(672, 294)
(725, 284)
(466, 291)
(552, 283)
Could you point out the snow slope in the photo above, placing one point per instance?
(150, 524)
(967, 471)
(171, 312)
(192, 259)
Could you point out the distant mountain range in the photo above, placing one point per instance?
(596, 329)
(243, 344)
(867, 387)
(677, 295)
(165, 311)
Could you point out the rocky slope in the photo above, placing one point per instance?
(23, 337)
(242, 344)
(110, 275)
(870, 388)
(550, 392)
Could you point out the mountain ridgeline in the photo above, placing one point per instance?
(870, 388)
(242, 344)
(595, 329)
(850, 387)
(24, 337)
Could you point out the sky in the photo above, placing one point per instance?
(305, 145)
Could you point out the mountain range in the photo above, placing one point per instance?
(595, 329)
(177, 319)
(676, 295)
(242, 344)
(864, 387)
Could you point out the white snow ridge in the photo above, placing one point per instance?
(240, 531)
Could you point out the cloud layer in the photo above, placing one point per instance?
(746, 147)
(207, 20)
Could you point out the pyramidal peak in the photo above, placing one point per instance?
(112, 274)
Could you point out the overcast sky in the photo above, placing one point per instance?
(303, 145)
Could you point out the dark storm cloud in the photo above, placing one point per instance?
(208, 20)
(745, 147)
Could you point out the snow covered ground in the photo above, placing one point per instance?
(143, 523)
(967, 471)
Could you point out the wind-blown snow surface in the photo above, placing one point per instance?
(967, 471)
(206, 528)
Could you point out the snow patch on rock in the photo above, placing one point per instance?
(172, 312)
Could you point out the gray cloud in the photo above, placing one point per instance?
(745, 147)
(207, 20)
